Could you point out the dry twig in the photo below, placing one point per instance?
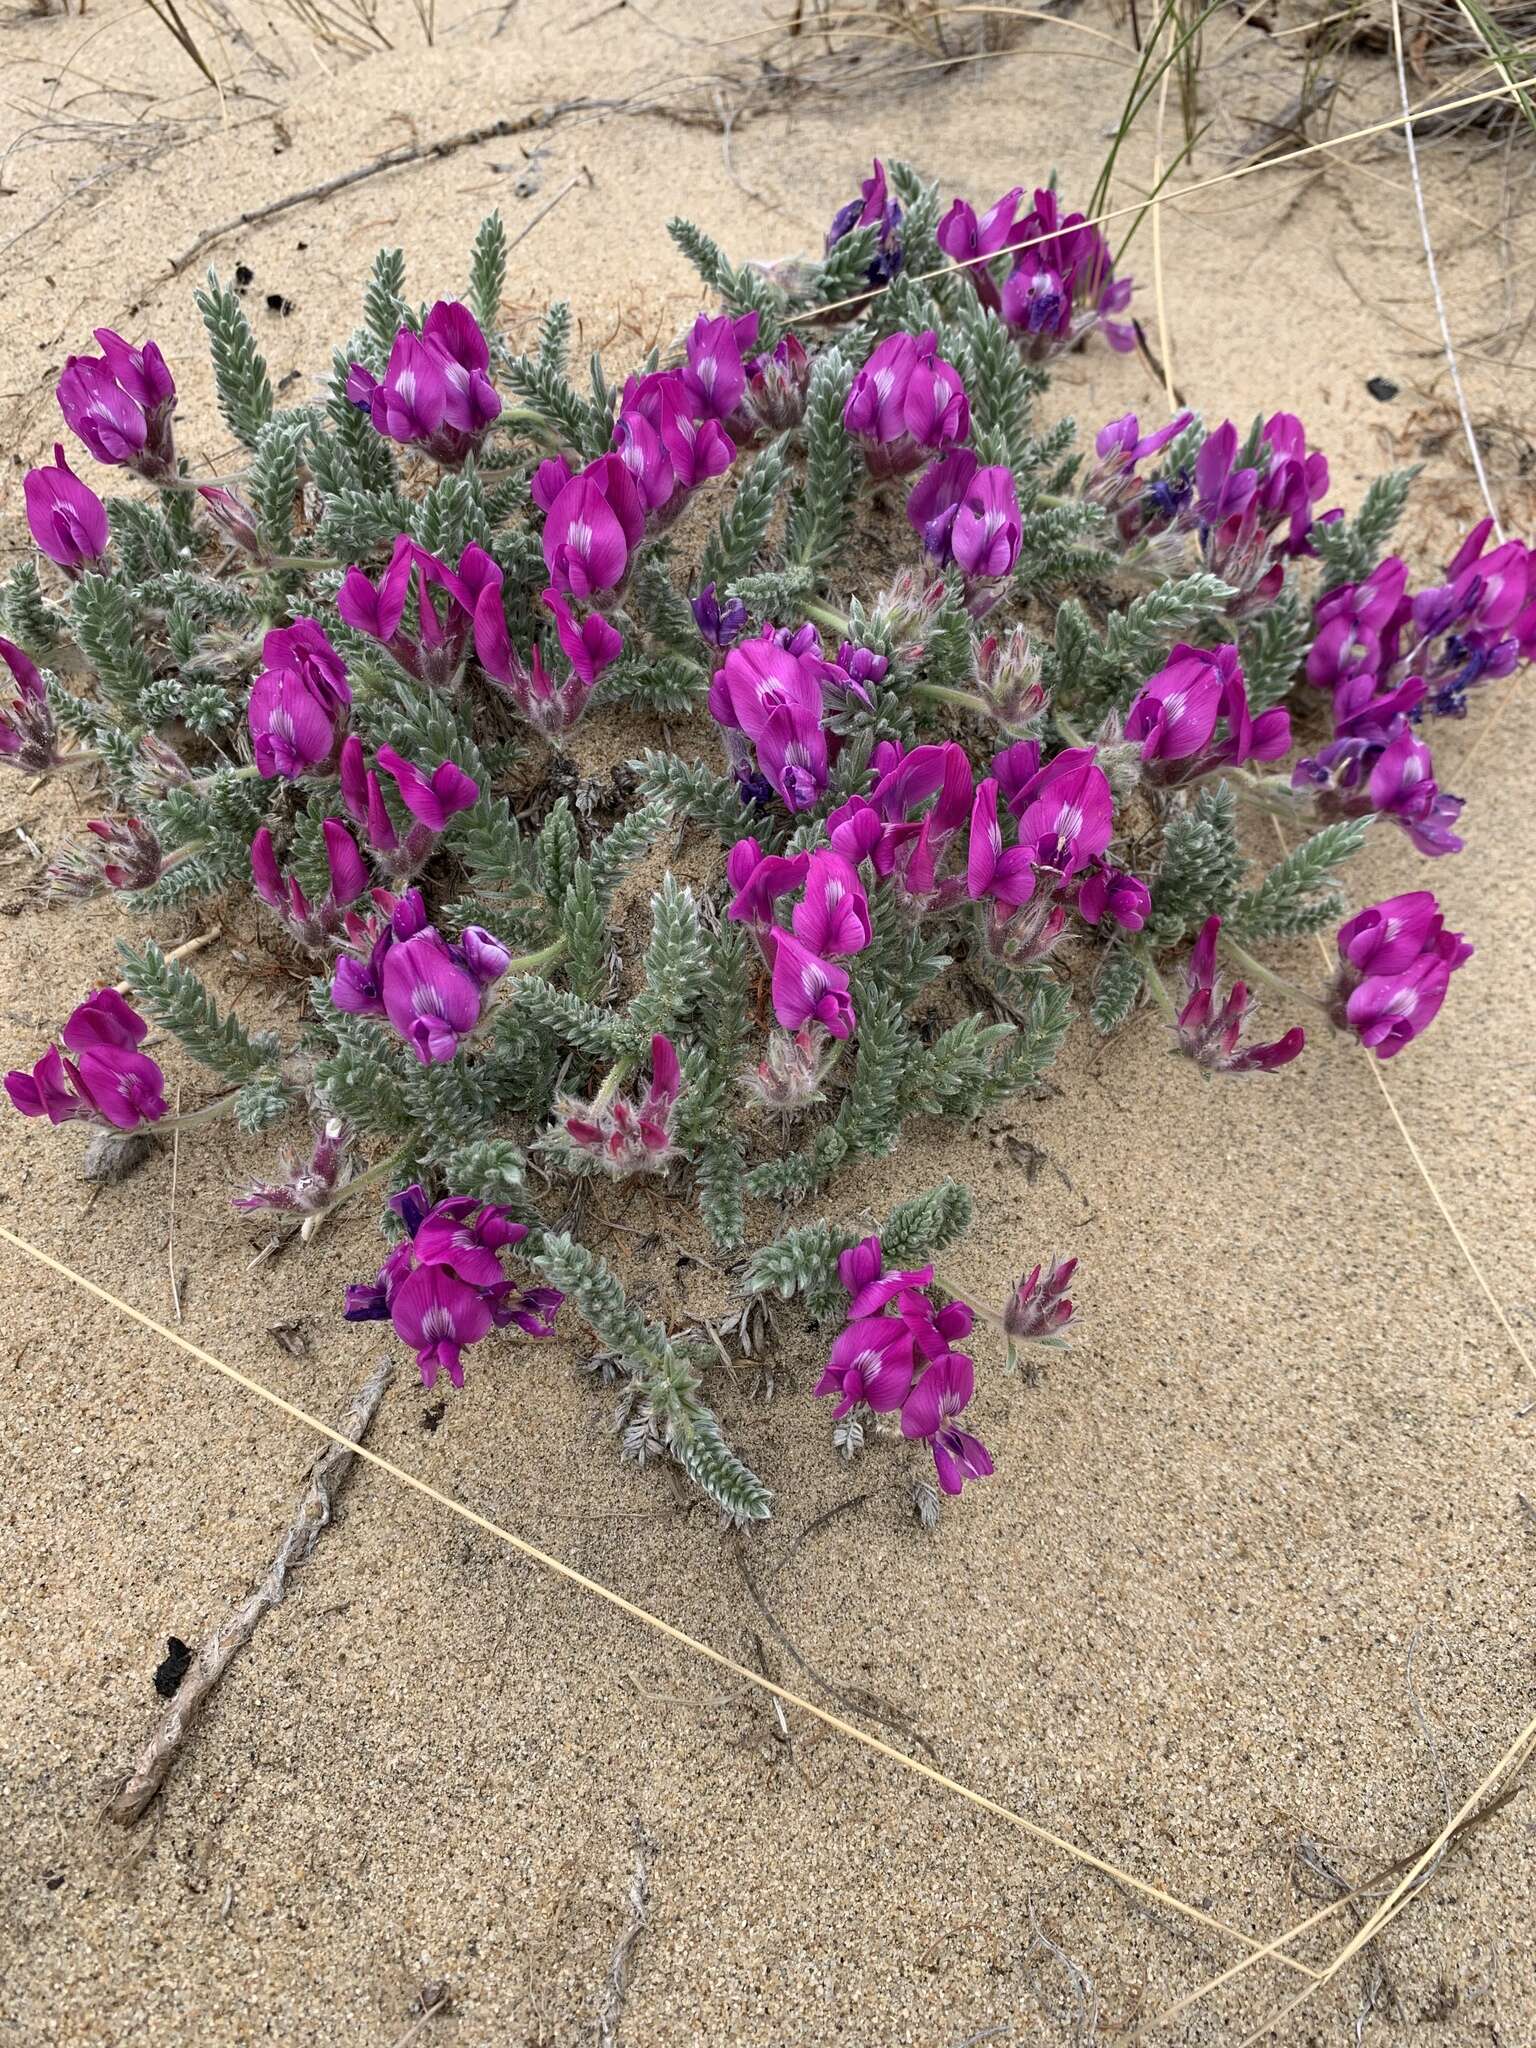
(610, 2009)
(133, 1796)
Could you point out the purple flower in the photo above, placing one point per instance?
(719, 625)
(1357, 625)
(1007, 878)
(1110, 892)
(935, 499)
(969, 241)
(806, 988)
(777, 384)
(436, 391)
(1396, 959)
(1062, 284)
(431, 799)
(550, 479)
(1402, 786)
(311, 924)
(28, 734)
(832, 918)
(120, 405)
(310, 1180)
(1176, 713)
(590, 646)
(1039, 1307)
(448, 604)
(890, 829)
(696, 449)
(872, 208)
(621, 1136)
(1070, 817)
(759, 880)
(905, 399)
(66, 518)
(467, 1236)
(773, 698)
(437, 1315)
(870, 1288)
(430, 995)
(592, 527)
(943, 1392)
(714, 374)
(233, 518)
(1209, 1028)
(298, 703)
(988, 531)
(109, 1081)
(871, 1361)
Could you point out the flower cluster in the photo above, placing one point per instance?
(1060, 284)
(1396, 959)
(896, 1352)
(874, 208)
(436, 392)
(1175, 717)
(121, 404)
(1209, 1027)
(443, 1287)
(431, 989)
(619, 1136)
(109, 1082)
(830, 922)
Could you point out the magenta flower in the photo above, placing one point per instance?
(592, 528)
(431, 799)
(1039, 1308)
(443, 1286)
(298, 704)
(988, 531)
(772, 697)
(436, 391)
(1396, 960)
(720, 625)
(621, 1136)
(943, 1392)
(550, 479)
(871, 1361)
(234, 519)
(870, 1287)
(437, 1315)
(714, 374)
(1176, 714)
(1005, 877)
(1386, 937)
(806, 988)
(832, 918)
(935, 499)
(28, 734)
(590, 645)
(638, 444)
(448, 604)
(311, 924)
(1110, 892)
(1358, 624)
(120, 404)
(969, 241)
(1070, 817)
(759, 880)
(905, 399)
(431, 992)
(109, 1082)
(1062, 284)
(873, 208)
(66, 518)
(1209, 1028)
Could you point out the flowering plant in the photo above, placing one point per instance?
(353, 679)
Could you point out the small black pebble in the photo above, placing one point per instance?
(173, 1668)
(431, 1417)
(301, 245)
(1381, 388)
(53, 1880)
(244, 275)
(276, 303)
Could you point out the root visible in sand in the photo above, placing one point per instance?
(610, 2008)
(314, 1510)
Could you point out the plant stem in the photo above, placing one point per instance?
(367, 1178)
(1257, 971)
(209, 1113)
(1067, 729)
(1157, 985)
(823, 614)
(965, 700)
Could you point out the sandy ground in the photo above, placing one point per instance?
(1254, 1569)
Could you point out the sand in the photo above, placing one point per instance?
(1254, 1571)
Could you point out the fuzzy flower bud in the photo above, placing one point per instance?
(790, 1078)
